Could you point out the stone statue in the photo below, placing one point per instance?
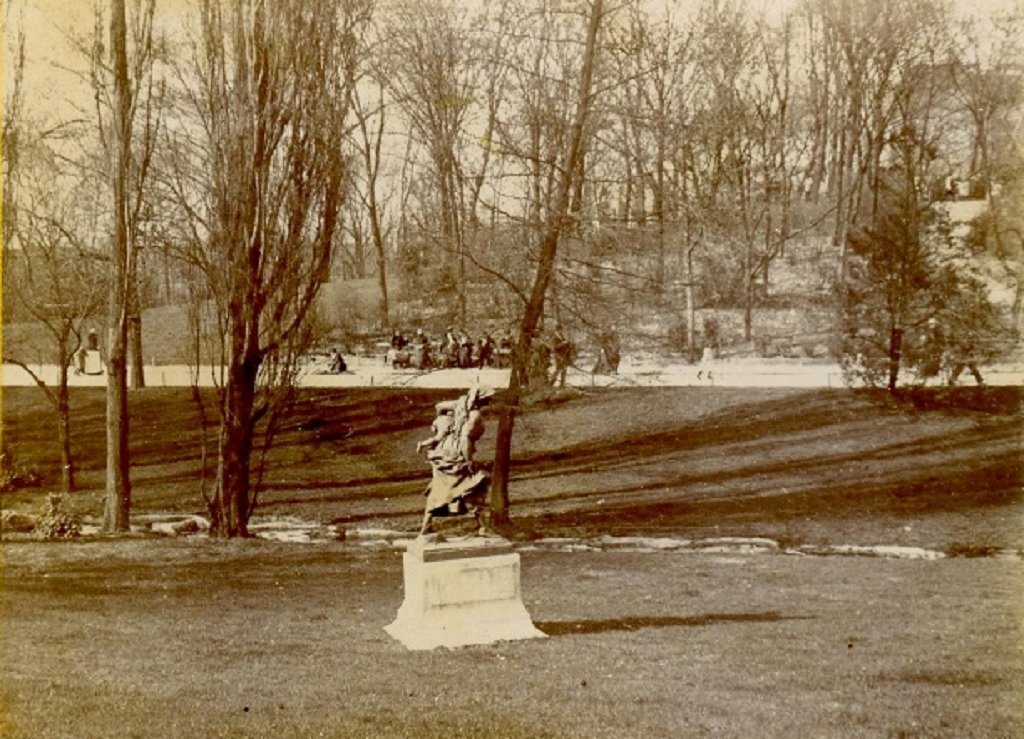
(456, 486)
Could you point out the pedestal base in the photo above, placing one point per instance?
(93, 363)
(461, 592)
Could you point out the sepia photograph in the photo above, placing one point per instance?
(512, 369)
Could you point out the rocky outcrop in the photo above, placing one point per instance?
(12, 522)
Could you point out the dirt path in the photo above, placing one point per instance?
(371, 372)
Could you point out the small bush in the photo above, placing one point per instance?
(57, 522)
(16, 476)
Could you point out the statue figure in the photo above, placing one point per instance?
(456, 486)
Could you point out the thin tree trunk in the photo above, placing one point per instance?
(371, 160)
(64, 420)
(380, 248)
(659, 211)
(499, 498)
(840, 231)
(691, 311)
(458, 224)
(138, 374)
(1017, 311)
(895, 354)
(118, 485)
(382, 267)
(749, 277)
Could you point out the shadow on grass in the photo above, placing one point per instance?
(939, 489)
(670, 452)
(826, 442)
(954, 678)
(680, 502)
(633, 623)
(771, 423)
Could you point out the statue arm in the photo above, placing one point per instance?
(466, 450)
(440, 429)
(471, 431)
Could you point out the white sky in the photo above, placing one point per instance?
(52, 91)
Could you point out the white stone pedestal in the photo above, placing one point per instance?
(93, 363)
(459, 592)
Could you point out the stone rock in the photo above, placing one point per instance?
(188, 526)
(12, 522)
(180, 527)
(821, 351)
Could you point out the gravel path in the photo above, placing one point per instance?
(634, 371)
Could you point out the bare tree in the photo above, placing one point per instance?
(369, 144)
(989, 89)
(987, 83)
(54, 273)
(269, 94)
(55, 276)
(143, 109)
(430, 72)
(557, 216)
(118, 485)
(13, 122)
(436, 65)
(855, 50)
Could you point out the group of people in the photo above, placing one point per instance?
(454, 349)
(551, 356)
(550, 360)
(951, 353)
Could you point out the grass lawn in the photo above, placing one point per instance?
(190, 638)
(155, 637)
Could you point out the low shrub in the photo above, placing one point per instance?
(57, 522)
(15, 476)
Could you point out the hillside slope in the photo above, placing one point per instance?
(937, 468)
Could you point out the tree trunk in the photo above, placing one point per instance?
(66, 457)
(371, 159)
(64, 420)
(1017, 311)
(691, 311)
(839, 232)
(458, 224)
(660, 205)
(576, 202)
(118, 486)
(138, 374)
(503, 457)
(231, 505)
(382, 273)
(749, 277)
(895, 353)
(557, 216)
